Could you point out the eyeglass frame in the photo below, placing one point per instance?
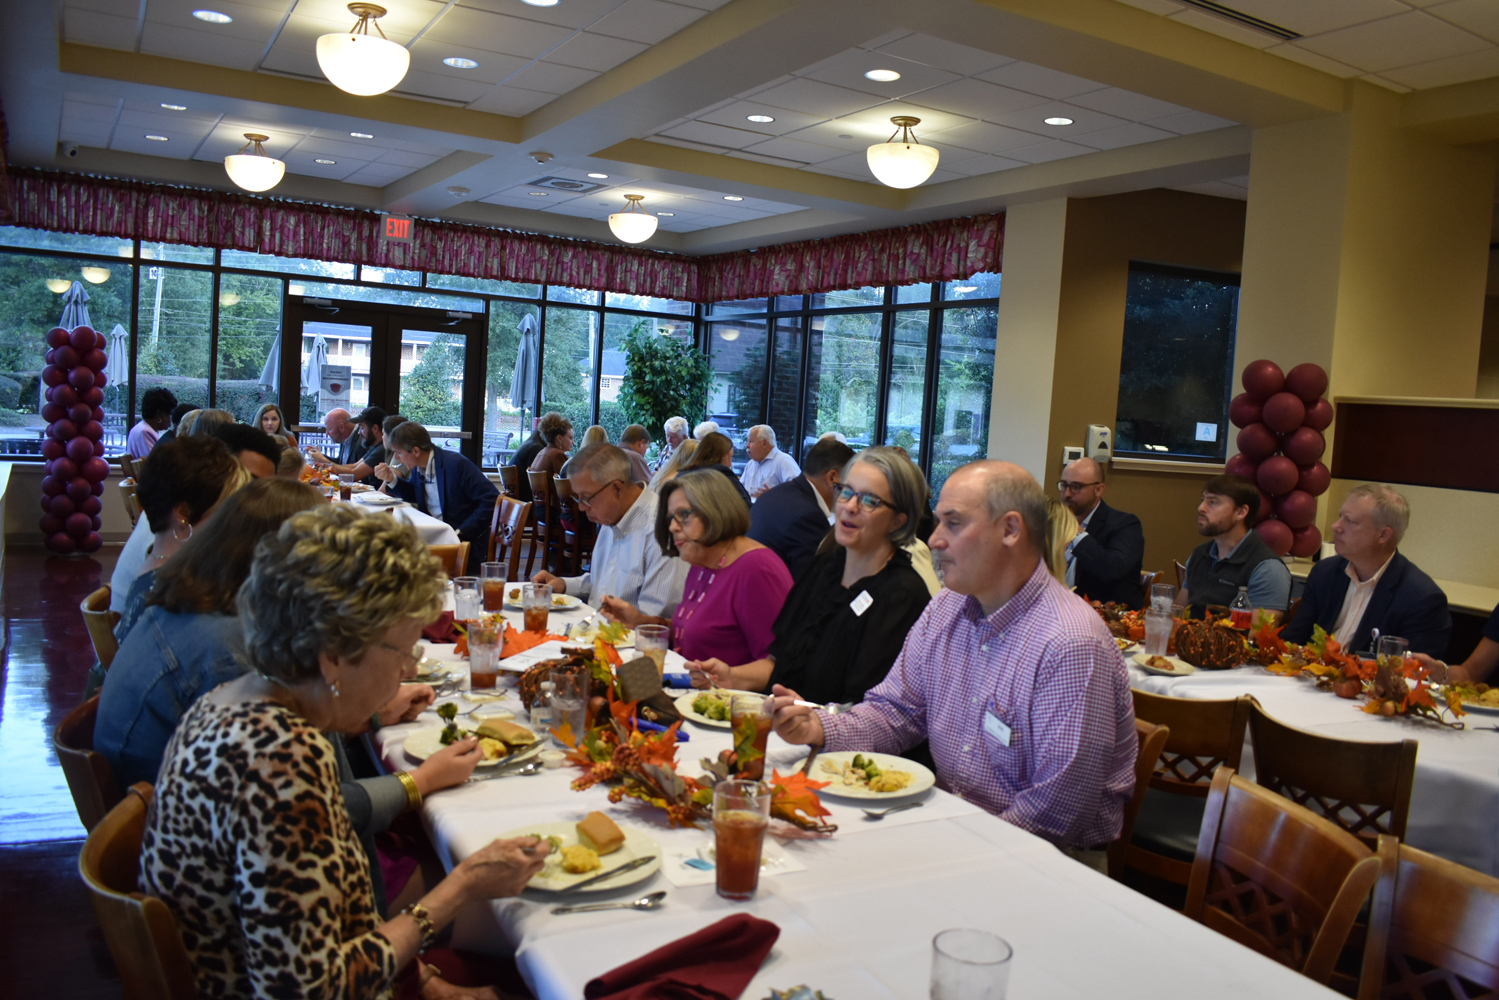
(413, 656)
(1064, 487)
(682, 518)
(860, 496)
(587, 501)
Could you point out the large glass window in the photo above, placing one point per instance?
(432, 382)
(249, 363)
(567, 365)
(614, 363)
(905, 398)
(175, 332)
(843, 373)
(786, 384)
(965, 382)
(737, 396)
(509, 392)
(41, 239)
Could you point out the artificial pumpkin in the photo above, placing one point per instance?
(1210, 646)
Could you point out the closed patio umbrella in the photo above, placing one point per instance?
(527, 359)
(312, 374)
(117, 351)
(270, 375)
(75, 307)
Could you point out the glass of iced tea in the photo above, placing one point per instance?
(653, 641)
(346, 486)
(483, 654)
(750, 719)
(535, 605)
(741, 811)
(494, 585)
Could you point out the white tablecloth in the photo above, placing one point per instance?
(433, 531)
(858, 922)
(1455, 801)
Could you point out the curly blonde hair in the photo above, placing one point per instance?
(330, 581)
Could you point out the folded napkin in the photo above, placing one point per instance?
(442, 630)
(516, 643)
(715, 963)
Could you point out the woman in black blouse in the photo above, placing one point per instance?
(846, 618)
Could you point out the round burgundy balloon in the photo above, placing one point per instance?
(82, 338)
(47, 503)
(98, 447)
(100, 341)
(1257, 442)
(62, 543)
(95, 359)
(1241, 465)
(78, 489)
(1276, 535)
(53, 375)
(80, 449)
(1314, 479)
(63, 430)
(50, 524)
(50, 358)
(1267, 509)
(1304, 445)
(53, 411)
(92, 505)
(96, 522)
(1244, 410)
(1262, 379)
(1307, 381)
(78, 525)
(95, 470)
(53, 485)
(63, 468)
(90, 542)
(65, 357)
(100, 379)
(1319, 415)
(1284, 412)
(1297, 508)
(93, 396)
(97, 413)
(81, 378)
(98, 489)
(93, 430)
(57, 336)
(1305, 541)
(1277, 475)
(79, 413)
(64, 394)
(63, 505)
(53, 449)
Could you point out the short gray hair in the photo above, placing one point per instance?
(330, 581)
(1018, 491)
(677, 425)
(604, 463)
(908, 488)
(765, 432)
(1391, 509)
(713, 498)
(705, 428)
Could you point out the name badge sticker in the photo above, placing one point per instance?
(996, 728)
(861, 603)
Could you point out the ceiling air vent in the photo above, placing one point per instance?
(1239, 17)
(567, 184)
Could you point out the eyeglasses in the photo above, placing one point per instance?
(1063, 486)
(682, 516)
(867, 501)
(587, 501)
(413, 656)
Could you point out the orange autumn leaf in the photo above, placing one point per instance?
(606, 652)
(662, 748)
(623, 712)
(1372, 706)
(1267, 638)
(519, 642)
(460, 648)
(795, 795)
(564, 734)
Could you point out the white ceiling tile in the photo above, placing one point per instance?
(516, 36)
(1478, 16)
(92, 97)
(1048, 151)
(939, 52)
(854, 165)
(1319, 16)
(402, 21)
(427, 55)
(1190, 122)
(449, 88)
(1294, 52)
(549, 78)
(587, 50)
(83, 133)
(1084, 120)
(735, 114)
(717, 135)
(424, 149)
(977, 99)
(512, 101)
(201, 46)
(1131, 134)
(836, 135)
(376, 175)
(252, 22)
(814, 97)
(648, 21)
(979, 165)
(194, 114)
(163, 122)
(1403, 40)
(1035, 79)
(229, 137)
(303, 32)
(986, 137)
(1443, 72)
(403, 158)
(317, 145)
(579, 211)
(134, 142)
(874, 124)
(299, 163)
(106, 114)
(83, 27)
(771, 161)
(847, 69)
(788, 148)
(893, 35)
(571, 14)
(1126, 104)
(368, 145)
(1225, 28)
(118, 8)
(286, 59)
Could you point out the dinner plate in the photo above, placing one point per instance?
(1468, 706)
(921, 777)
(376, 499)
(423, 744)
(684, 705)
(1179, 667)
(560, 602)
(553, 879)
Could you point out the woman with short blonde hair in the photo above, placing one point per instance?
(673, 465)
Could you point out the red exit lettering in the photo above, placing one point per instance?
(398, 228)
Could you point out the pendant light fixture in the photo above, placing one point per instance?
(360, 63)
(902, 163)
(634, 224)
(256, 170)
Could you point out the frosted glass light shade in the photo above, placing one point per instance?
(254, 172)
(362, 64)
(632, 225)
(902, 164)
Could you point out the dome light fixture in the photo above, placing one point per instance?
(732, 197)
(326, 163)
(256, 170)
(58, 285)
(458, 191)
(730, 334)
(359, 63)
(902, 163)
(94, 275)
(540, 3)
(634, 224)
(360, 135)
(667, 215)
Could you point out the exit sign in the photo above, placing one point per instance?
(398, 229)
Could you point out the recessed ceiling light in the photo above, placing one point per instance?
(458, 62)
(175, 107)
(212, 17)
(882, 75)
(537, 194)
(326, 163)
(361, 135)
(157, 138)
(732, 197)
(666, 213)
(541, 3)
(599, 177)
(758, 118)
(1058, 121)
(845, 137)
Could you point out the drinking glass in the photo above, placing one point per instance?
(741, 812)
(749, 716)
(346, 486)
(570, 701)
(970, 965)
(536, 604)
(483, 654)
(494, 585)
(1157, 632)
(1161, 596)
(653, 641)
(1390, 647)
(468, 605)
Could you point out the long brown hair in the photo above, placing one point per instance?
(206, 573)
(710, 451)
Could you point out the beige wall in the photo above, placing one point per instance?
(1488, 351)
(1441, 539)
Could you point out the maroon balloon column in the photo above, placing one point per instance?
(74, 448)
(1281, 417)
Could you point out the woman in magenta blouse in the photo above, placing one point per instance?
(736, 586)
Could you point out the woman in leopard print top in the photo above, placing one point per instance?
(248, 841)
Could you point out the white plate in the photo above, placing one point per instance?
(553, 879)
(921, 777)
(377, 499)
(1180, 667)
(684, 705)
(560, 602)
(1468, 706)
(423, 744)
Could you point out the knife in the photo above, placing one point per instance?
(510, 763)
(628, 866)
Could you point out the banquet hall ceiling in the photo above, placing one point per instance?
(657, 95)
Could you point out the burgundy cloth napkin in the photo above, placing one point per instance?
(442, 630)
(715, 963)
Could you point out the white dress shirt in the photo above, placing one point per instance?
(773, 470)
(628, 563)
(1355, 603)
(429, 480)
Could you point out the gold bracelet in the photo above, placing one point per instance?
(413, 793)
(424, 923)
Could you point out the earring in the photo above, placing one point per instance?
(334, 688)
(177, 532)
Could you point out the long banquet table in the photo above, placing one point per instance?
(432, 530)
(858, 921)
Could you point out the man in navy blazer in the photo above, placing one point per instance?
(792, 519)
(1104, 560)
(1369, 585)
(443, 484)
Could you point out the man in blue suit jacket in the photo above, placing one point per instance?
(1369, 585)
(791, 519)
(443, 484)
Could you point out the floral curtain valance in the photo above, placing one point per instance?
(74, 203)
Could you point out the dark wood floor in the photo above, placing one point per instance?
(50, 944)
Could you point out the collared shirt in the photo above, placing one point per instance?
(1269, 583)
(1356, 602)
(1028, 710)
(826, 510)
(773, 470)
(1082, 532)
(429, 480)
(662, 456)
(628, 563)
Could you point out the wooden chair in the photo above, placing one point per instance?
(510, 479)
(1433, 929)
(507, 532)
(1152, 742)
(545, 529)
(1276, 877)
(1181, 574)
(141, 933)
(132, 502)
(1365, 788)
(91, 779)
(1204, 736)
(576, 542)
(1148, 580)
(454, 558)
(128, 467)
(101, 622)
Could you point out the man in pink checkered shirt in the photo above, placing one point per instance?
(1013, 678)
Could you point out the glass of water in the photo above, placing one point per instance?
(1157, 632)
(970, 965)
(468, 603)
(1161, 596)
(570, 701)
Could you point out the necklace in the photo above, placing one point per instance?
(695, 598)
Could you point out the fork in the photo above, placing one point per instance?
(878, 814)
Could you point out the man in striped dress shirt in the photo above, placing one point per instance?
(1013, 678)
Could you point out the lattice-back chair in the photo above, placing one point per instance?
(1181, 574)
(1152, 741)
(1204, 736)
(1363, 787)
(507, 533)
(454, 558)
(1433, 929)
(510, 480)
(132, 502)
(1148, 579)
(1277, 877)
(577, 541)
(545, 530)
(101, 622)
(91, 779)
(129, 467)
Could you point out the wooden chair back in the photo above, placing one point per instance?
(1433, 929)
(129, 467)
(1181, 574)
(1152, 742)
(1205, 735)
(454, 558)
(141, 933)
(132, 502)
(510, 479)
(572, 542)
(1276, 877)
(1363, 787)
(101, 622)
(90, 777)
(1148, 579)
(545, 529)
(507, 533)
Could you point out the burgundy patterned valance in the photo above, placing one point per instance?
(98, 206)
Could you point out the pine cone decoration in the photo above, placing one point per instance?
(529, 685)
(626, 758)
(1210, 646)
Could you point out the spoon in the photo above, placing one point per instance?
(871, 814)
(649, 902)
